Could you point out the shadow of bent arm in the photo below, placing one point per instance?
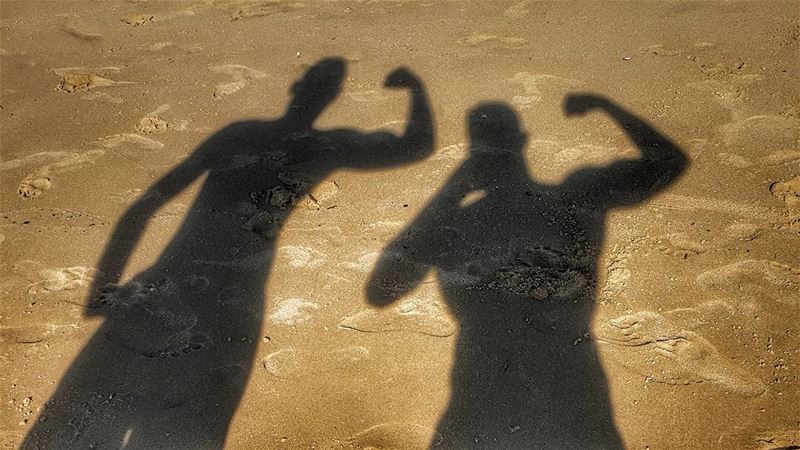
(384, 149)
(131, 225)
(661, 161)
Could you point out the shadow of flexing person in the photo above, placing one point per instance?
(168, 365)
(516, 260)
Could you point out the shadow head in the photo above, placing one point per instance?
(320, 85)
(494, 128)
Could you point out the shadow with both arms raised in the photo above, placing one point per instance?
(517, 264)
(168, 366)
(516, 260)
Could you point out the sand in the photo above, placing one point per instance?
(258, 224)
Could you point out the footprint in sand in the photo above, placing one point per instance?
(138, 20)
(766, 134)
(134, 140)
(159, 46)
(54, 161)
(729, 208)
(153, 122)
(662, 351)
(760, 280)
(422, 313)
(726, 88)
(683, 245)
(659, 50)
(64, 279)
(292, 311)
(32, 334)
(517, 11)
(139, 150)
(788, 439)
(247, 9)
(782, 157)
(776, 158)
(394, 435)
(364, 263)
(475, 40)
(302, 257)
(292, 363)
(788, 191)
(617, 274)
(33, 186)
(79, 79)
(103, 97)
(734, 160)
(240, 75)
(76, 28)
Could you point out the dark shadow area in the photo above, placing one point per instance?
(168, 366)
(517, 263)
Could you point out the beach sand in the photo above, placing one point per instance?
(686, 319)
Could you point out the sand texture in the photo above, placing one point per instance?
(256, 224)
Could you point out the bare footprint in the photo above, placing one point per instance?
(764, 133)
(54, 161)
(754, 279)
(239, 75)
(617, 275)
(76, 28)
(65, 279)
(293, 363)
(153, 122)
(659, 50)
(78, 79)
(292, 311)
(103, 97)
(300, 257)
(364, 263)
(247, 9)
(751, 211)
(683, 245)
(33, 186)
(778, 439)
(422, 313)
(517, 11)
(782, 157)
(138, 20)
(788, 191)
(32, 334)
(661, 350)
(141, 142)
(504, 41)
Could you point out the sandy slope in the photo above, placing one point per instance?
(693, 308)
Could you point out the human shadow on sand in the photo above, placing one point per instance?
(516, 260)
(167, 367)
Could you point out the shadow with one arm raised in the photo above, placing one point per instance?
(169, 364)
(517, 264)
